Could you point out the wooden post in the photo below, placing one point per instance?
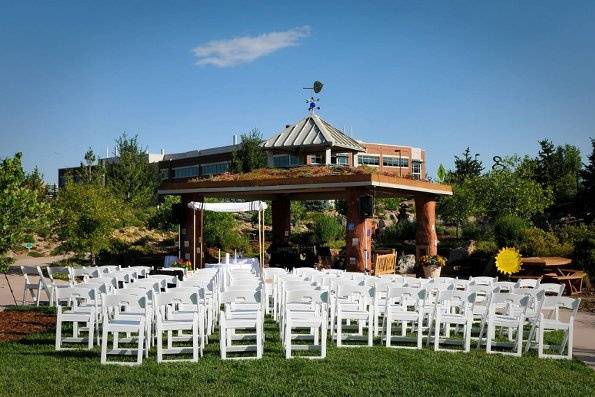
(426, 240)
(281, 209)
(358, 234)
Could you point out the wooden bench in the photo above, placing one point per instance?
(572, 278)
(384, 263)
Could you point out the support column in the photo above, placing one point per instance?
(358, 234)
(328, 157)
(281, 209)
(426, 240)
(191, 249)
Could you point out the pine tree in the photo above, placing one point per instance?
(250, 155)
(587, 193)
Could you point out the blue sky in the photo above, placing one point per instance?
(495, 76)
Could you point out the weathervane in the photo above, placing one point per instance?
(313, 102)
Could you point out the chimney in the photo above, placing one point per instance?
(235, 139)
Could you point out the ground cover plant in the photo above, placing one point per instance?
(32, 367)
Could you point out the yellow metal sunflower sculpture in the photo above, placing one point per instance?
(508, 261)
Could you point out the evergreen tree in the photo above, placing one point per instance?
(132, 178)
(557, 168)
(466, 167)
(250, 155)
(587, 193)
(91, 170)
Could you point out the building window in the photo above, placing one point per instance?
(394, 161)
(340, 159)
(186, 172)
(316, 159)
(368, 159)
(416, 169)
(286, 160)
(214, 168)
(164, 173)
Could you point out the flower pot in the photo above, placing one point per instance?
(432, 271)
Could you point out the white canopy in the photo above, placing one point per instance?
(229, 207)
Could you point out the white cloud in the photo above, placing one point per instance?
(224, 53)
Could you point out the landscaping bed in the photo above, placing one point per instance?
(17, 324)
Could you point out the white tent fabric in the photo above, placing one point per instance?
(229, 207)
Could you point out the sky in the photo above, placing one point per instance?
(442, 75)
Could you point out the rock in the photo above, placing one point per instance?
(406, 264)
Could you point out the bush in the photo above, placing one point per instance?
(477, 231)
(508, 230)
(584, 255)
(397, 233)
(486, 247)
(327, 229)
(221, 231)
(162, 217)
(539, 242)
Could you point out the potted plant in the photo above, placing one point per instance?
(183, 263)
(432, 265)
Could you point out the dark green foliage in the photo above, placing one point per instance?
(584, 255)
(91, 170)
(396, 234)
(466, 167)
(221, 231)
(327, 229)
(317, 205)
(539, 242)
(557, 168)
(298, 212)
(250, 156)
(587, 192)
(132, 178)
(162, 217)
(22, 209)
(508, 230)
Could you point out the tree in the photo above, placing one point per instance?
(132, 178)
(587, 191)
(22, 210)
(557, 168)
(250, 155)
(465, 167)
(91, 170)
(504, 192)
(86, 216)
(458, 208)
(441, 174)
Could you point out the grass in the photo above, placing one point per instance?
(32, 367)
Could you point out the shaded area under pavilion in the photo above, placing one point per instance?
(353, 188)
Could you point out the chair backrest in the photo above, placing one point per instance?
(240, 296)
(74, 295)
(504, 286)
(563, 302)
(28, 271)
(483, 280)
(185, 296)
(122, 302)
(307, 295)
(461, 301)
(55, 270)
(412, 282)
(527, 283)
(460, 284)
(405, 296)
(552, 289)
(518, 303)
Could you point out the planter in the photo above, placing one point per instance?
(432, 271)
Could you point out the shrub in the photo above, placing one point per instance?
(487, 247)
(162, 217)
(584, 255)
(539, 242)
(508, 230)
(478, 231)
(397, 233)
(221, 230)
(327, 229)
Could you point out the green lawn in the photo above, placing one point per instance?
(31, 367)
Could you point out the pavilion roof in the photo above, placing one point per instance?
(312, 131)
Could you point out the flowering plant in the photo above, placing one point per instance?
(183, 263)
(433, 260)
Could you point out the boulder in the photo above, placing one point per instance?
(406, 264)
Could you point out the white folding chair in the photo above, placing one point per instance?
(404, 305)
(169, 319)
(30, 285)
(506, 310)
(81, 307)
(117, 318)
(359, 309)
(527, 283)
(243, 311)
(452, 307)
(306, 309)
(486, 281)
(546, 324)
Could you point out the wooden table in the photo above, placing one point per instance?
(551, 267)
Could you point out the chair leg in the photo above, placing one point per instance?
(159, 344)
(140, 346)
(58, 333)
(540, 342)
(195, 345)
(388, 331)
(530, 338)
(370, 330)
(222, 339)
(91, 332)
(104, 343)
(519, 340)
(419, 334)
(287, 338)
(467, 332)
(323, 337)
(437, 333)
(339, 329)
(570, 341)
(489, 338)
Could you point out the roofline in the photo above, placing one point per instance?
(389, 144)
